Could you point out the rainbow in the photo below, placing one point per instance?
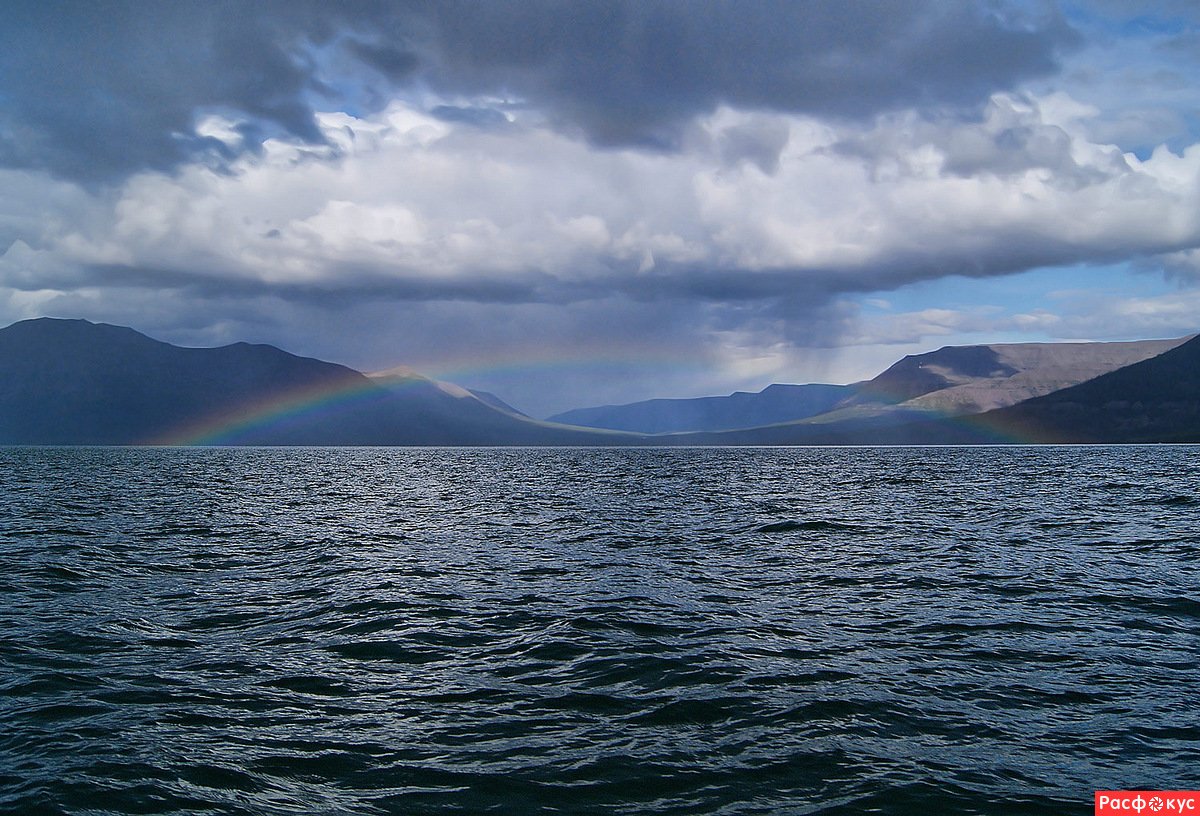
(1002, 433)
(979, 425)
(980, 431)
(239, 424)
(235, 425)
(243, 423)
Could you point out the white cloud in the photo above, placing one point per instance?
(1129, 318)
(406, 197)
(736, 248)
(223, 130)
(403, 197)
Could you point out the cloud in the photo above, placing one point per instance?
(1183, 267)
(468, 232)
(407, 205)
(1136, 64)
(100, 91)
(1094, 316)
(635, 72)
(96, 93)
(673, 198)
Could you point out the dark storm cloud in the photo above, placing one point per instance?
(394, 63)
(355, 287)
(633, 72)
(94, 91)
(97, 91)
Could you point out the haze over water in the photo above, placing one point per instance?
(684, 631)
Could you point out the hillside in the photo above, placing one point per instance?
(959, 380)
(775, 403)
(1157, 400)
(951, 381)
(74, 382)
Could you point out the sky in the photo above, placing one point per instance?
(583, 203)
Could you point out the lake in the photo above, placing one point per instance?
(671, 631)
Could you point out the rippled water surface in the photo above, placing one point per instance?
(908, 631)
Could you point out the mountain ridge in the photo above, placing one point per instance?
(1153, 400)
(952, 380)
(75, 382)
(778, 402)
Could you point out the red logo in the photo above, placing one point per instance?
(1147, 803)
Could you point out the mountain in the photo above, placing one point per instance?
(441, 413)
(1156, 400)
(959, 380)
(952, 381)
(926, 399)
(488, 398)
(76, 382)
(775, 403)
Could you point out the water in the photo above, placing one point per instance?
(834, 631)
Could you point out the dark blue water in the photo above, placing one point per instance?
(835, 631)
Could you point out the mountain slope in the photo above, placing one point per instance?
(959, 380)
(1156, 400)
(488, 398)
(952, 381)
(775, 403)
(1153, 400)
(75, 382)
(446, 414)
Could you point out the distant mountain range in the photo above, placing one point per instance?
(1156, 399)
(775, 403)
(73, 382)
(951, 381)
